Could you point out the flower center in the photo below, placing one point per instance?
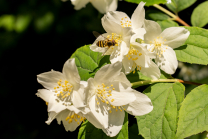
(125, 22)
(63, 92)
(158, 46)
(134, 54)
(114, 39)
(73, 116)
(103, 94)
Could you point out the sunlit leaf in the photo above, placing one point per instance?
(167, 23)
(195, 49)
(200, 14)
(179, 5)
(148, 2)
(88, 62)
(22, 22)
(155, 15)
(161, 123)
(193, 115)
(7, 22)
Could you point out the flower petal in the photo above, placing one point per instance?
(84, 83)
(100, 115)
(116, 119)
(152, 71)
(118, 54)
(54, 105)
(108, 72)
(170, 63)
(153, 30)
(79, 97)
(49, 79)
(69, 126)
(93, 120)
(44, 94)
(78, 4)
(142, 57)
(90, 89)
(137, 17)
(113, 5)
(126, 36)
(127, 64)
(175, 36)
(117, 16)
(141, 106)
(51, 116)
(71, 73)
(111, 26)
(123, 97)
(100, 5)
(121, 78)
(139, 33)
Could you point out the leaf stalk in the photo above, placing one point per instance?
(174, 17)
(147, 82)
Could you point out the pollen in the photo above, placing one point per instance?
(125, 22)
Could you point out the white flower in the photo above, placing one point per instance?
(63, 92)
(65, 88)
(64, 95)
(102, 6)
(122, 38)
(139, 58)
(109, 94)
(122, 19)
(168, 1)
(162, 44)
(70, 116)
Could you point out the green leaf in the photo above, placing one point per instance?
(195, 49)
(167, 23)
(7, 21)
(179, 5)
(193, 115)
(161, 123)
(87, 61)
(44, 22)
(200, 14)
(155, 15)
(88, 131)
(148, 2)
(22, 22)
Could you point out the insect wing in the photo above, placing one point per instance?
(105, 51)
(96, 34)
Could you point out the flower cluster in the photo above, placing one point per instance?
(101, 100)
(140, 42)
(133, 44)
(103, 6)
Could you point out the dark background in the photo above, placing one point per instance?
(50, 32)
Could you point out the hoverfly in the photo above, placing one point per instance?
(105, 42)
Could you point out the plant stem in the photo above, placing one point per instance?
(142, 83)
(165, 11)
(182, 22)
(175, 17)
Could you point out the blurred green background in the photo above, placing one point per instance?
(37, 36)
